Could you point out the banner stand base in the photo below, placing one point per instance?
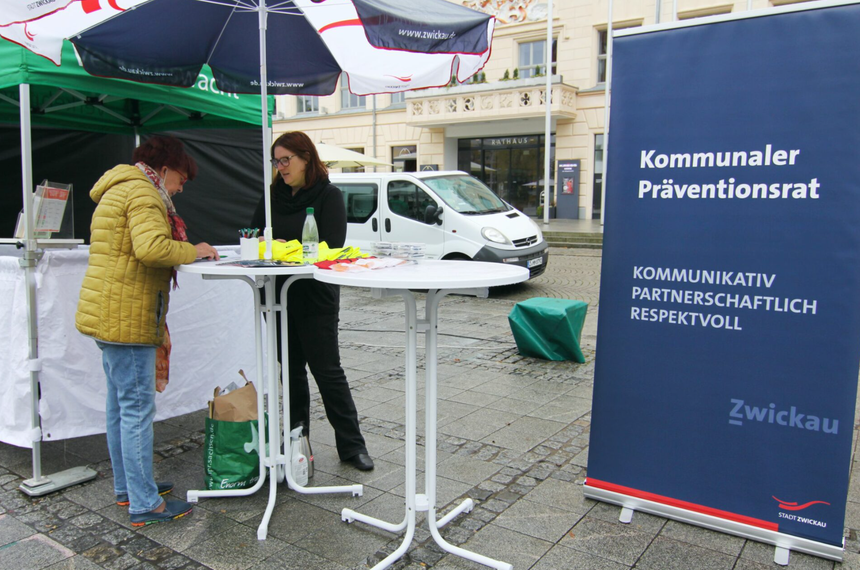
(784, 543)
(781, 556)
(60, 480)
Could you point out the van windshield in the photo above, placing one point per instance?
(466, 195)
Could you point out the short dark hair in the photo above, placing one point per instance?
(160, 151)
(301, 144)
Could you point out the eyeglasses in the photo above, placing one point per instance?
(182, 178)
(283, 161)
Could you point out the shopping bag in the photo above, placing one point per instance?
(232, 439)
(231, 454)
(237, 405)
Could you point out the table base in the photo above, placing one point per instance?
(277, 464)
(422, 502)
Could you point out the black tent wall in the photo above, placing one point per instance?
(219, 202)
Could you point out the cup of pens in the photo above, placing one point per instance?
(249, 244)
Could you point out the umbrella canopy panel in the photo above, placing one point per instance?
(69, 97)
(382, 46)
(339, 157)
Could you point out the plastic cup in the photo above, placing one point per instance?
(249, 248)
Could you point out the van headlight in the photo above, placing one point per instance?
(539, 232)
(494, 235)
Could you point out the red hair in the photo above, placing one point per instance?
(160, 151)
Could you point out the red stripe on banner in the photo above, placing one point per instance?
(355, 22)
(598, 484)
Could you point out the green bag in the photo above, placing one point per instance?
(232, 455)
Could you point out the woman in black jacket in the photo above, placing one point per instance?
(313, 307)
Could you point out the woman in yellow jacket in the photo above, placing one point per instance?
(136, 240)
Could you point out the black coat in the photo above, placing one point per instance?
(306, 296)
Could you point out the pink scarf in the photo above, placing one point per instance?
(178, 232)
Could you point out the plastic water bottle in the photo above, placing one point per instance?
(310, 238)
(298, 461)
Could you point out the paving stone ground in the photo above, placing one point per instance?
(513, 436)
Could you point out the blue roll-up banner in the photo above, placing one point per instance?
(729, 325)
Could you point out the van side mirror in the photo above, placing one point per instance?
(433, 215)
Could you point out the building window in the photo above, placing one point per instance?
(597, 187)
(533, 58)
(347, 99)
(308, 104)
(398, 98)
(601, 55)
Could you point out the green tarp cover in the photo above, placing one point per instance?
(549, 328)
(114, 105)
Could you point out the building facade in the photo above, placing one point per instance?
(493, 126)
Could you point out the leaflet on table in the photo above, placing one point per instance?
(262, 263)
(369, 263)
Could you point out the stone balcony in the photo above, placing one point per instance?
(519, 98)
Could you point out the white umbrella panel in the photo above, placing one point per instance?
(339, 157)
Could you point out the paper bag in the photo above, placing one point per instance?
(240, 405)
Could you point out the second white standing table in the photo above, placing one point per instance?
(439, 278)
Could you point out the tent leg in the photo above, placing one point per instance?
(38, 485)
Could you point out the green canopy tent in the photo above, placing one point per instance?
(35, 92)
(66, 96)
(83, 125)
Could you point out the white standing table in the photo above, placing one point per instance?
(439, 278)
(271, 456)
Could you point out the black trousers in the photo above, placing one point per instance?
(313, 344)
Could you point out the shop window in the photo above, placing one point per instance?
(405, 158)
(533, 58)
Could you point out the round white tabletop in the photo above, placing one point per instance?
(429, 274)
(227, 267)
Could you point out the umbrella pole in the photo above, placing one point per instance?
(39, 484)
(267, 133)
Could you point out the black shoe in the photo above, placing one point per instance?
(362, 462)
(172, 510)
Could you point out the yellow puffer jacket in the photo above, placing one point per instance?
(125, 292)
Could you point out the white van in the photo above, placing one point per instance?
(454, 214)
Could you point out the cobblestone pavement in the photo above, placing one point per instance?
(513, 435)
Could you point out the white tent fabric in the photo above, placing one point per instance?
(205, 353)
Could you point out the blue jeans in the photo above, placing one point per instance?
(130, 371)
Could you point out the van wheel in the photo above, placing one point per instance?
(457, 257)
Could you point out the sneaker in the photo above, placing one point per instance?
(172, 510)
(164, 487)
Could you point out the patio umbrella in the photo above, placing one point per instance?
(298, 47)
(339, 157)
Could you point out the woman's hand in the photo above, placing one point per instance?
(206, 251)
